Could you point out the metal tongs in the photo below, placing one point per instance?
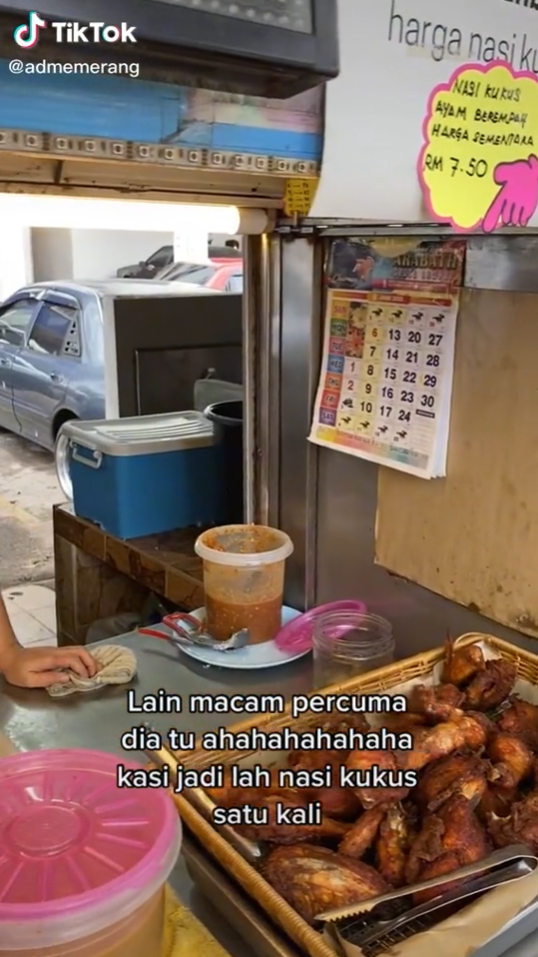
(186, 629)
(393, 917)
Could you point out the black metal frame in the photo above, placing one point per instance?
(178, 30)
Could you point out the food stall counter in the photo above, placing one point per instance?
(34, 721)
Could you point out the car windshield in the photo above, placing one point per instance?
(160, 257)
(188, 272)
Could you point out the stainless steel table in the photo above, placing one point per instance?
(34, 721)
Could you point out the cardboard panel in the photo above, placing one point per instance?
(473, 537)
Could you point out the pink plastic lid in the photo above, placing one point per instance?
(296, 636)
(71, 841)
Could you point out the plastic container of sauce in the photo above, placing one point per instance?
(244, 569)
(83, 863)
(349, 643)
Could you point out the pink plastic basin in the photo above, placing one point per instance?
(80, 858)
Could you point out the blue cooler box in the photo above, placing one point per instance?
(145, 475)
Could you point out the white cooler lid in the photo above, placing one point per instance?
(143, 434)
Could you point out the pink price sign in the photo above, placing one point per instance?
(478, 167)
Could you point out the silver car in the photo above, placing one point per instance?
(52, 356)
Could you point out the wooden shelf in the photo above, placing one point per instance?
(99, 576)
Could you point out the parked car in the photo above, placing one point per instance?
(224, 275)
(150, 267)
(52, 357)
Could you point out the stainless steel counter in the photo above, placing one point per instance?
(34, 721)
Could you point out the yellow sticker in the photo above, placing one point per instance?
(299, 196)
(478, 167)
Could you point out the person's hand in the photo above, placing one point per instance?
(517, 199)
(43, 667)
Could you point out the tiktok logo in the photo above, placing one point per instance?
(27, 34)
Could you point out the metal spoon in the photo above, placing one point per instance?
(191, 632)
(238, 640)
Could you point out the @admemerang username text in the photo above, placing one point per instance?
(47, 66)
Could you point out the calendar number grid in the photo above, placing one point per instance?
(386, 377)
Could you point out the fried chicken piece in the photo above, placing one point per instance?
(521, 720)
(512, 759)
(403, 723)
(534, 786)
(450, 839)
(362, 835)
(390, 792)
(413, 813)
(427, 846)
(278, 831)
(393, 845)
(497, 802)
(337, 802)
(456, 774)
(466, 732)
(488, 726)
(461, 664)
(520, 827)
(338, 724)
(445, 864)
(436, 704)
(315, 760)
(491, 687)
(313, 880)
(229, 796)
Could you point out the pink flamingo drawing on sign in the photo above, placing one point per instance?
(517, 198)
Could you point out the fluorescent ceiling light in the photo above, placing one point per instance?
(75, 212)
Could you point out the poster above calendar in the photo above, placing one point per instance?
(383, 263)
(388, 355)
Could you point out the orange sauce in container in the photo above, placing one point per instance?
(244, 580)
(262, 619)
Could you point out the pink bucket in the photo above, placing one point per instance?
(80, 857)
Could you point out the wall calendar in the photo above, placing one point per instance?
(388, 356)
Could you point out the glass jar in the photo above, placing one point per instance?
(346, 644)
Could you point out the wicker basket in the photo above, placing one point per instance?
(383, 679)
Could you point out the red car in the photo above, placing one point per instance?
(224, 275)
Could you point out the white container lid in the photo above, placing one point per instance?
(143, 434)
(243, 546)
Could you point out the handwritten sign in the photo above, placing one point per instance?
(478, 167)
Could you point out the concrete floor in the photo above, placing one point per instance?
(28, 490)
(32, 613)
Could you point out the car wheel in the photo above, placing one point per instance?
(61, 459)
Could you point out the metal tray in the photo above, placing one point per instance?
(248, 920)
(266, 940)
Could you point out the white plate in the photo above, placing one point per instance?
(266, 655)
